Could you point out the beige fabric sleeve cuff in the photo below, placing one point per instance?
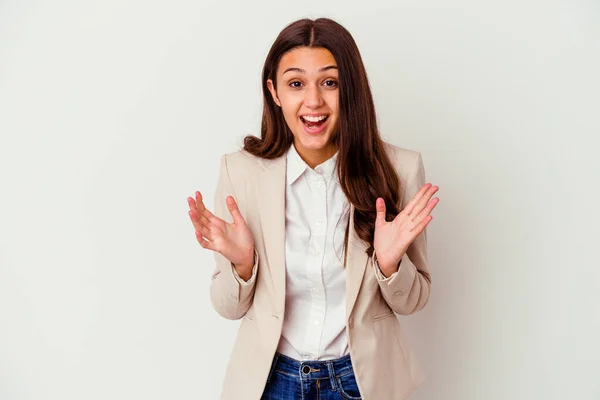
(249, 281)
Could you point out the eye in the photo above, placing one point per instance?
(330, 83)
(293, 84)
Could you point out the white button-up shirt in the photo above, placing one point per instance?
(317, 212)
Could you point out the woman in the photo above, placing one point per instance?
(318, 233)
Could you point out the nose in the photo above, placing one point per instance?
(313, 97)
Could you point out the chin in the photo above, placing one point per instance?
(314, 142)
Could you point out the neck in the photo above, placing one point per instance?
(316, 157)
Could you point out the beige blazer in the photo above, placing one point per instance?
(383, 361)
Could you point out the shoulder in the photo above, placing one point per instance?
(241, 156)
(405, 161)
(240, 162)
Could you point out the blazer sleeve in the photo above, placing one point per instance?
(407, 290)
(230, 296)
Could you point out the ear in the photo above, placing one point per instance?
(271, 88)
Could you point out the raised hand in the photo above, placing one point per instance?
(392, 238)
(233, 240)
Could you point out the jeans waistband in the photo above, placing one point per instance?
(313, 369)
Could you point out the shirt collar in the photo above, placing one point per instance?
(296, 166)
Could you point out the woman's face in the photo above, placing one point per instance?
(308, 94)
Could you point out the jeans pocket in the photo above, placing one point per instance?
(348, 387)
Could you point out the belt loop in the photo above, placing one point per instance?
(332, 375)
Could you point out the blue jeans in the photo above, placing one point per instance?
(290, 379)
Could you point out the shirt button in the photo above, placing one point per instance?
(316, 322)
(319, 223)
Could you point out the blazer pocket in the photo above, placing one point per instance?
(387, 333)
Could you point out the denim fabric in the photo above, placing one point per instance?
(290, 379)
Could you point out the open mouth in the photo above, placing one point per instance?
(314, 123)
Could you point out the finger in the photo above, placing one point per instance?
(199, 203)
(205, 216)
(196, 220)
(214, 222)
(238, 219)
(423, 201)
(208, 236)
(413, 202)
(204, 243)
(425, 212)
(418, 229)
(380, 207)
(209, 216)
(191, 203)
(203, 219)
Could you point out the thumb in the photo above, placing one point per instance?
(234, 211)
(380, 206)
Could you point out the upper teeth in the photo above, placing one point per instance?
(314, 119)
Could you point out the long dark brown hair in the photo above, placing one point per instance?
(364, 169)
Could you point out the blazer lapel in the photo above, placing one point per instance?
(271, 205)
(356, 265)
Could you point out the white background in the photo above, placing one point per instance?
(113, 112)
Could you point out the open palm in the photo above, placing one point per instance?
(393, 238)
(233, 240)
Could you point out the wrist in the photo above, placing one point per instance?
(244, 271)
(388, 271)
(387, 268)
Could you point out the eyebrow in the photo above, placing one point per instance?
(303, 71)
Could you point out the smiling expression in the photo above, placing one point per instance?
(308, 94)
